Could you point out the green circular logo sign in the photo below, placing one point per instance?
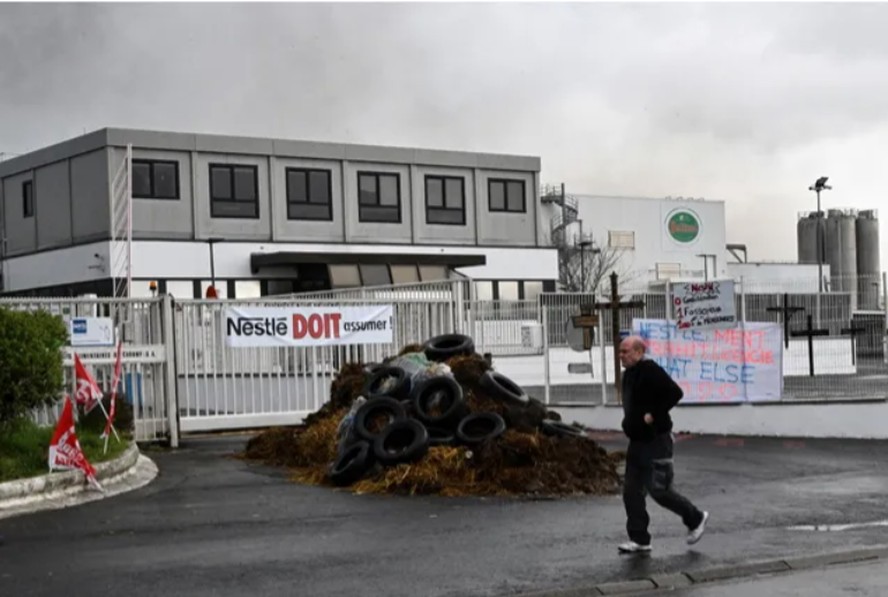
(683, 226)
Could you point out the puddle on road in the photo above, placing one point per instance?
(832, 528)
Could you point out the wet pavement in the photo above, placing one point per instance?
(863, 580)
(214, 525)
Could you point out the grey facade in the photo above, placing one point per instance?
(268, 190)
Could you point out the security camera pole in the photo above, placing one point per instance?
(819, 185)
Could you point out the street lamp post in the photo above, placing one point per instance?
(583, 245)
(820, 185)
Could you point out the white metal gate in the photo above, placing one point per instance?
(221, 387)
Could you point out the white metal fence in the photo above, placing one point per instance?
(180, 375)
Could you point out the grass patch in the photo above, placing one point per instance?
(24, 449)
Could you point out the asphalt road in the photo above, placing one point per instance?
(214, 525)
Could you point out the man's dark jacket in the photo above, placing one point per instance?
(647, 388)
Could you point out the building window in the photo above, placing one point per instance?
(404, 274)
(445, 200)
(531, 290)
(28, 199)
(247, 289)
(667, 271)
(344, 276)
(621, 239)
(309, 194)
(155, 179)
(506, 195)
(433, 273)
(379, 197)
(234, 191)
(375, 274)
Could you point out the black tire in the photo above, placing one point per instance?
(445, 346)
(389, 407)
(440, 437)
(500, 387)
(439, 388)
(477, 428)
(559, 429)
(406, 440)
(400, 390)
(371, 368)
(351, 464)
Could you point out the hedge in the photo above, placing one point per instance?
(31, 372)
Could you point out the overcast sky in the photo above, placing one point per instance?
(745, 103)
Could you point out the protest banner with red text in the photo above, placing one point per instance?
(718, 365)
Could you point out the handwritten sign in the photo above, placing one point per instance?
(704, 305)
(718, 365)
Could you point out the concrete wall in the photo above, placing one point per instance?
(448, 234)
(90, 200)
(52, 205)
(501, 228)
(357, 231)
(306, 230)
(161, 218)
(863, 420)
(207, 226)
(21, 232)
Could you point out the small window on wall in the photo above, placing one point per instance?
(506, 195)
(445, 200)
(379, 197)
(181, 289)
(532, 290)
(375, 275)
(155, 179)
(667, 271)
(28, 199)
(404, 274)
(344, 276)
(621, 239)
(508, 290)
(484, 290)
(309, 194)
(234, 191)
(247, 289)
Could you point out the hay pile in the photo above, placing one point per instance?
(521, 461)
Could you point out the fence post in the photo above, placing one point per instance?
(546, 352)
(171, 389)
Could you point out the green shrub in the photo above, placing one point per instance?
(31, 372)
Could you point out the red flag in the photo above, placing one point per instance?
(88, 393)
(64, 449)
(112, 409)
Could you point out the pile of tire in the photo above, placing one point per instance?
(417, 416)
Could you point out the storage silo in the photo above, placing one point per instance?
(841, 251)
(807, 236)
(867, 232)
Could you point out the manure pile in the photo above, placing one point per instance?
(438, 419)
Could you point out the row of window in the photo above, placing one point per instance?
(234, 193)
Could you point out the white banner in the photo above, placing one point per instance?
(737, 365)
(91, 331)
(704, 305)
(307, 326)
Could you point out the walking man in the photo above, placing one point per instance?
(648, 395)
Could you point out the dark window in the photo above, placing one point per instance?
(309, 194)
(506, 195)
(379, 197)
(375, 274)
(234, 191)
(28, 199)
(155, 179)
(445, 200)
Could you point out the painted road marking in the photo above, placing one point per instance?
(831, 528)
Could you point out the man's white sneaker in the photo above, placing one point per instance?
(633, 547)
(695, 534)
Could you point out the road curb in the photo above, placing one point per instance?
(685, 579)
(16, 493)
